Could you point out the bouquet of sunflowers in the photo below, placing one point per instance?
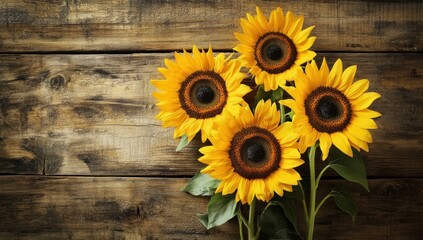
(253, 145)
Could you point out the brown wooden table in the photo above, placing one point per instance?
(82, 157)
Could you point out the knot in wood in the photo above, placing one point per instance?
(57, 82)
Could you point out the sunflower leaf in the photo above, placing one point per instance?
(296, 193)
(203, 218)
(350, 168)
(289, 206)
(344, 201)
(201, 185)
(221, 209)
(282, 110)
(275, 224)
(261, 94)
(182, 143)
(277, 94)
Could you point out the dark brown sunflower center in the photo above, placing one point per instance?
(203, 94)
(328, 109)
(275, 52)
(254, 153)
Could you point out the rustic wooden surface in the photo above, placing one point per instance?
(82, 157)
(94, 115)
(128, 25)
(154, 208)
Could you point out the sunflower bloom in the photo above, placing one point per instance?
(197, 91)
(253, 155)
(274, 49)
(332, 109)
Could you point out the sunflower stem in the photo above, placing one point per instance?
(251, 220)
(282, 113)
(320, 175)
(240, 223)
(323, 200)
(304, 204)
(243, 220)
(312, 209)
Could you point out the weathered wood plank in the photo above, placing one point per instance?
(154, 208)
(94, 114)
(137, 25)
(101, 208)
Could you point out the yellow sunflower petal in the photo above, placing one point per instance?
(364, 101)
(347, 77)
(366, 123)
(341, 142)
(305, 57)
(290, 153)
(289, 21)
(231, 185)
(291, 176)
(307, 45)
(287, 163)
(357, 142)
(325, 144)
(334, 77)
(357, 89)
(243, 189)
(301, 145)
(302, 36)
(257, 189)
(262, 20)
(360, 133)
(292, 91)
(298, 24)
(324, 70)
(367, 113)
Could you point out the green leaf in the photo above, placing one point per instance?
(275, 224)
(277, 94)
(184, 141)
(350, 168)
(221, 209)
(203, 218)
(344, 201)
(289, 206)
(201, 185)
(282, 110)
(296, 193)
(261, 94)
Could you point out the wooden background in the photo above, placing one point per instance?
(82, 157)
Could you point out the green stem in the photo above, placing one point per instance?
(304, 203)
(321, 174)
(240, 223)
(257, 233)
(282, 113)
(312, 209)
(323, 200)
(244, 221)
(251, 220)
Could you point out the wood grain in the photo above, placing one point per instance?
(75, 102)
(144, 25)
(94, 115)
(154, 208)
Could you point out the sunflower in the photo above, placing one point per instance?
(274, 49)
(253, 154)
(197, 91)
(330, 108)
